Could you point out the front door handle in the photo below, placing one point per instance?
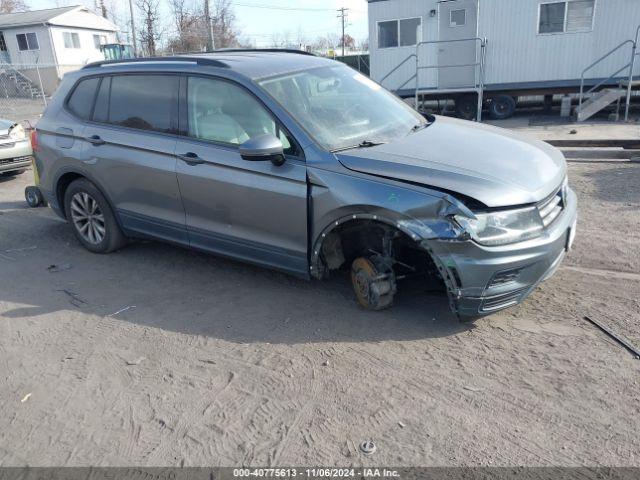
(191, 158)
(95, 140)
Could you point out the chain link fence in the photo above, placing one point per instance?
(26, 88)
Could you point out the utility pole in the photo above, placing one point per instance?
(133, 30)
(209, 24)
(343, 17)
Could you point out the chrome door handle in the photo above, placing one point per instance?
(95, 140)
(190, 158)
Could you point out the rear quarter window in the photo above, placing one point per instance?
(144, 102)
(81, 100)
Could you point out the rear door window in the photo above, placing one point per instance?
(144, 102)
(81, 100)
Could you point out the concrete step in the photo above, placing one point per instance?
(622, 154)
(597, 102)
(601, 143)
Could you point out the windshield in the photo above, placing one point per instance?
(341, 108)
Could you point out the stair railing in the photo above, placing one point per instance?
(597, 62)
(381, 82)
(634, 52)
(478, 66)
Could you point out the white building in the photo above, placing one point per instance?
(531, 45)
(56, 40)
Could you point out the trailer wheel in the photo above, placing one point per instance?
(502, 107)
(34, 197)
(467, 106)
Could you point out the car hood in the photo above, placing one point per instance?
(494, 166)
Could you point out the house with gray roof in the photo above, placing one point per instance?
(39, 46)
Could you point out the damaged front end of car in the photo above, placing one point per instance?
(485, 259)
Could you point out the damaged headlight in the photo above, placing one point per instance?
(503, 227)
(17, 132)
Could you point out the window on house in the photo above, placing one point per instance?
(99, 40)
(568, 16)
(580, 15)
(457, 18)
(388, 34)
(3, 44)
(404, 33)
(71, 40)
(409, 31)
(27, 41)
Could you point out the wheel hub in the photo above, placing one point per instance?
(88, 218)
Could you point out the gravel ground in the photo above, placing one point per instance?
(158, 356)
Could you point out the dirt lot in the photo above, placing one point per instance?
(156, 355)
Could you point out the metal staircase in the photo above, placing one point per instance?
(23, 86)
(600, 97)
(599, 101)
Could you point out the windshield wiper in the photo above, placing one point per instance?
(369, 143)
(362, 144)
(419, 126)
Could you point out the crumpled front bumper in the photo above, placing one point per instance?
(482, 280)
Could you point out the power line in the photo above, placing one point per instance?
(274, 7)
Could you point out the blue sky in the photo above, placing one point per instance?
(260, 25)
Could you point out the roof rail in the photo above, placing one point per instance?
(193, 59)
(270, 50)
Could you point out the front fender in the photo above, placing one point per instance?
(420, 213)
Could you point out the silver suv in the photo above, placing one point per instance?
(301, 164)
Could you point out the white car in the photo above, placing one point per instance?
(15, 148)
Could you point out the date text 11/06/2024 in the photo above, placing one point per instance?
(315, 472)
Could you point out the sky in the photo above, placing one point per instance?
(261, 20)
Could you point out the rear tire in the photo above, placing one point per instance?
(91, 218)
(502, 107)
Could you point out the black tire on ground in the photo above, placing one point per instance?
(109, 237)
(467, 106)
(12, 173)
(502, 107)
(34, 197)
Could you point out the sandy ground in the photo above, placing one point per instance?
(156, 355)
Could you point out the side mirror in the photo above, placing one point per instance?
(263, 147)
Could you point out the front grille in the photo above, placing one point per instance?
(551, 208)
(504, 300)
(8, 161)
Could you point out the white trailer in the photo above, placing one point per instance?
(492, 51)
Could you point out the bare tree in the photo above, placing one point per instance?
(224, 28)
(191, 29)
(10, 6)
(150, 30)
(188, 21)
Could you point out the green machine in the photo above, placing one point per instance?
(117, 51)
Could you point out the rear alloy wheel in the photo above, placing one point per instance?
(91, 218)
(502, 107)
(374, 289)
